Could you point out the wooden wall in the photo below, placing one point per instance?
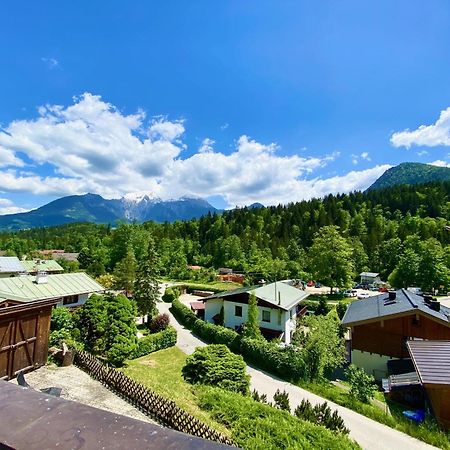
(439, 395)
(388, 337)
(24, 333)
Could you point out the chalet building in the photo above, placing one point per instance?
(381, 326)
(11, 266)
(33, 266)
(69, 289)
(370, 278)
(432, 363)
(278, 306)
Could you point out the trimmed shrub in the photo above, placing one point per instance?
(287, 362)
(215, 365)
(171, 293)
(321, 414)
(155, 342)
(183, 314)
(159, 323)
(216, 334)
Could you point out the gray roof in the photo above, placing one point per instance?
(431, 360)
(369, 274)
(11, 264)
(380, 306)
(278, 294)
(25, 289)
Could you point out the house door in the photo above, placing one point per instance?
(17, 345)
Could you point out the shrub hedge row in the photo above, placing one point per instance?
(284, 362)
(157, 341)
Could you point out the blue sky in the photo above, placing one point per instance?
(234, 101)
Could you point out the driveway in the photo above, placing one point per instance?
(369, 434)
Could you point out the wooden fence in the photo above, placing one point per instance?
(164, 411)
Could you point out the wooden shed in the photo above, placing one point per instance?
(24, 333)
(432, 362)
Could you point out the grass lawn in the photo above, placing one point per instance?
(427, 431)
(220, 285)
(161, 372)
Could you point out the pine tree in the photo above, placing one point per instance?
(146, 287)
(125, 271)
(252, 326)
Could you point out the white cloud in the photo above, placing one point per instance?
(93, 147)
(52, 63)
(365, 156)
(427, 135)
(207, 145)
(440, 163)
(7, 207)
(224, 126)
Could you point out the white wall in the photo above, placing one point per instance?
(81, 301)
(373, 363)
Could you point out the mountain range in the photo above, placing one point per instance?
(94, 208)
(411, 173)
(142, 207)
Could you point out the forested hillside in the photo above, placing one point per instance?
(399, 232)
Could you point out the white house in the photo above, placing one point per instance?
(278, 306)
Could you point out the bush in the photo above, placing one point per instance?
(183, 314)
(61, 319)
(321, 415)
(341, 308)
(171, 293)
(159, 323)
(216, 334)
(257, 426)
(261, 398)
(215, 365)
(362, 385)
(281, 400)
(287, 362)
(155, 342)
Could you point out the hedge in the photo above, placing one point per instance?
(284, 362)
(170, 294)
(157, 341)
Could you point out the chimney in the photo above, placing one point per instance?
(435, 305)
(41, 277)
(392, 295)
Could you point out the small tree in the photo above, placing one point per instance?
(281, 400)
(159, 323)
(362, 385)
(146, 287)
(121, 332)
(215, 365)
(252, 325)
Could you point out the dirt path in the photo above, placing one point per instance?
(80, 387)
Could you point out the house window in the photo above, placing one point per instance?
(266, 316)
(238, 311)
(71, 299)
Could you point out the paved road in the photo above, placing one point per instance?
(369, 434)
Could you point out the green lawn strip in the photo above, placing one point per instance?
(161, 372)
(255, 426)
(218, 285)
(427, 431)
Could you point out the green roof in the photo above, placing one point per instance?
(48, 265)
(25, 288)
(279, 294)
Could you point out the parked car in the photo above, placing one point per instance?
(311, 283)
(350, 293)
(363, 295)
(357, 286)
(374, 289)
(318, 285)
(383, 289)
